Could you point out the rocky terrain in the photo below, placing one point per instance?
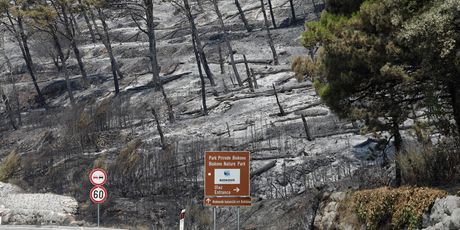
(296, 171)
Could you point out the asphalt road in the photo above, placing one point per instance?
(31, 227)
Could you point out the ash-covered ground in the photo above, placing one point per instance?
(163, 182)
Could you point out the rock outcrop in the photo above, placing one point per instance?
(445, 214)
(17, 207)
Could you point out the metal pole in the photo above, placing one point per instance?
(214, 217)
(98, 215)
(238, 218)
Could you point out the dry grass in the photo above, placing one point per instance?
(434, 165)
(9, 165)
(129, 157)
(402, 207)
(304, 67)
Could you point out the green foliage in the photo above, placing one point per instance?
(323, 30)
(344, 7)
(387, 57)
(9, 165)
(402, 207)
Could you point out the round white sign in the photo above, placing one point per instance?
(98, 194)
(98, 176)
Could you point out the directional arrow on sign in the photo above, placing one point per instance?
(208, 200)
(236, 189)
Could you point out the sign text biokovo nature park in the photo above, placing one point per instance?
(227, 177)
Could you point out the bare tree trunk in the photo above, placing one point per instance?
(221, 60)
(398, 148)
(243, 18)
(203, 85)
(98, 32)
(160, 130)
(307, 130)
(248, 73)
(70, 31)
(254, 79)
(199, 47)
(282, 113)
(29, 63)
(58, 48)
(227, 42)
(9, 111)
(270, 39)
(12, 81)
(88, 23)
(153, 56)
(74, 23)
(108, 45)
(291, 2)
(271, 13)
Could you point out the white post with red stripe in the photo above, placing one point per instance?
(182, 220)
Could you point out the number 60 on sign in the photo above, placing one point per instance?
(98, 194)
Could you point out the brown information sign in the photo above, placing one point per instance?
(226, 174)
(227, 201)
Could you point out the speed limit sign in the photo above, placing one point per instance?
(98, 194)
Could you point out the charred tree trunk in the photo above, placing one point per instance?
(291, 3)
(70, 31)
(254, 79)
(108, 46)
(9, 111)
(271, 13)
(221, 60)
(203, 85)
(199, 47)
(160, 130)
(270, 39)
(28, 59)
(62, 58)
(243, 18)
(398, 146)
(248, 73)
(12, 81)
(88, 22)
(74, 23)
(227, 42)
(101, 36)
(282, 113)
(153, 56)
(307, 130)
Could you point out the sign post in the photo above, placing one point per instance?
(227, 180)
(182, 220)
(98, 193)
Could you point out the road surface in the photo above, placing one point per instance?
(31, 227)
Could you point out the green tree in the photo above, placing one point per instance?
(388, 59)
(12, 18)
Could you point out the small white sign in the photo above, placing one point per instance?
(98, 176)
(226, 176)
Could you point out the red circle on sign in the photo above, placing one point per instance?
(93, 173)
(95, 194)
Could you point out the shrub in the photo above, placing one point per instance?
(434, 165)
(304, 67)
(401, 207)
(9, 165)
(344, 7)
(129, 157)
